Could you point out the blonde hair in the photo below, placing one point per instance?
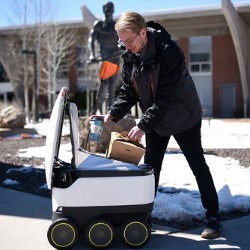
(130, 21)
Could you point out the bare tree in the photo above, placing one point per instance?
(21, 68)
(59, 42)
(10, 55)
(10, 58)
(51, 45)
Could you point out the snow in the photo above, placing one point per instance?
(24, 169)
(178, 196)
(42, 127)
(10, 182)
(217, 133)
(44, 186)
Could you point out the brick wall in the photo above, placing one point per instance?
(225, 71)
(184, 44)
(72, 72)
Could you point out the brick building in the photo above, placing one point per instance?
(215, 41)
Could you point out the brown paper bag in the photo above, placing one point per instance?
(124, 149)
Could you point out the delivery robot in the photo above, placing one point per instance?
(93, 197)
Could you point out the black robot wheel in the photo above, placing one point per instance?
(62, 234)
(100, 233)
(135, 232)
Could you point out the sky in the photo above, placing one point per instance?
(178, 197)
(70, 10)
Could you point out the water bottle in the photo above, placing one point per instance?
(96, 126)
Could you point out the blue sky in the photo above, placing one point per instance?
(71, 9)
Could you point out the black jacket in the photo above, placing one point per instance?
(161, 83)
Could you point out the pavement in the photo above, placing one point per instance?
(25, 218)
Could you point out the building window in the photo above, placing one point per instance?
(3, 75)
(200, 54)
(10, 96)
(62, 72)
(82, 57)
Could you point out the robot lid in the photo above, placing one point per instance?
(54, 134)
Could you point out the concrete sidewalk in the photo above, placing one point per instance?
(25, 218)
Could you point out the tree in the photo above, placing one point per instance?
(51, 45)
(20, 69)
(58, 46)
(10, 59)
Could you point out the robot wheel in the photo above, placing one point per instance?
(135, 232)
(62, 234)
(100, 233)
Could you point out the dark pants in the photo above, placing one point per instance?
(190, 144)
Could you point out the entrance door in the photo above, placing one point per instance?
(228, 100)
(203, 85)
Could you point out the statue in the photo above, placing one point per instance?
(104, 33)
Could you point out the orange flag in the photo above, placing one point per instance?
(108, 69)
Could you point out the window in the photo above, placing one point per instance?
(199, 57)
(200, 54)
(3, 75)
(62, 72)
(81, 57)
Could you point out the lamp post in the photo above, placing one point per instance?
(34, 99)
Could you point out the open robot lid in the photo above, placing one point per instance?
(53, 138)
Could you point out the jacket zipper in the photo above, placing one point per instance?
(135, 85)
(152, 85)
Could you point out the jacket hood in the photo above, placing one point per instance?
(162, 35)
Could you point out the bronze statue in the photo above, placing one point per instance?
(104, 33)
